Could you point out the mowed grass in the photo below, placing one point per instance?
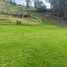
(33, 46)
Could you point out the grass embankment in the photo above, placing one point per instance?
(33, 46)
(8, 19)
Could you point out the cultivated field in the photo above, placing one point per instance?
(40, 45)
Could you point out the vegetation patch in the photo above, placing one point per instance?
(42, 45)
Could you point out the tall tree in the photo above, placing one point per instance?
(28, 3)
(57, 6)
(10, 1)
(38, 4)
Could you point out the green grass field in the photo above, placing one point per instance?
(33, 46)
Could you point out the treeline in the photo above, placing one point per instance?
(37, 4)
(11, 1)
(59, 7)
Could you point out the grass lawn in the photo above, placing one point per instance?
(33, 46)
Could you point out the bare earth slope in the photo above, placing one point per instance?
(54, 20)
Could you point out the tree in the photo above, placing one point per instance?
(38, 4)
(28, 3)
(59, 7)
(11, 1)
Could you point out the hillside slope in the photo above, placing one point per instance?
(8, 8)
(10, 13)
